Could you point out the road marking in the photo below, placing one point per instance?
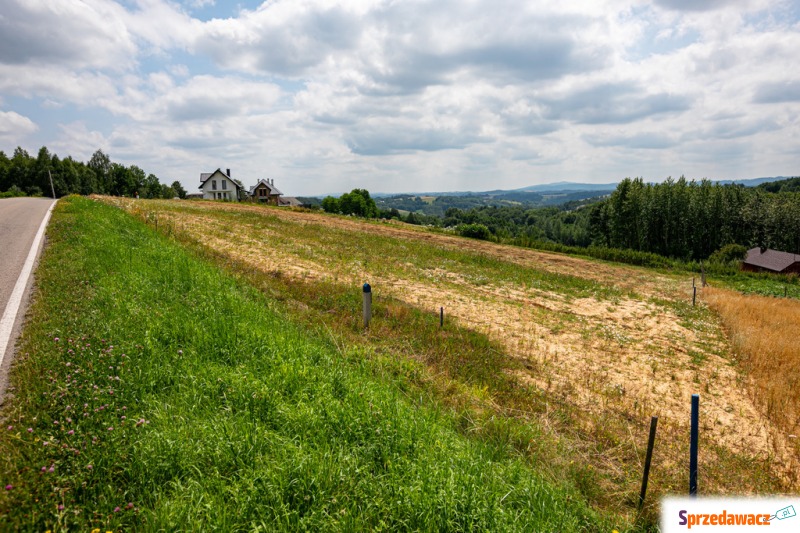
(14, 301)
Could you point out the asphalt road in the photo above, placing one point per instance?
(20, 219)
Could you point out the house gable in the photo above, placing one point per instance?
(265, 191)
(218, 185)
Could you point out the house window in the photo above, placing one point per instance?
(262, 192)
(224, 185)
(213, 185)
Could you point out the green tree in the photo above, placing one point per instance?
(179, 190)
(330, 205)
(100, 164)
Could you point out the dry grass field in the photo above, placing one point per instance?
(591, 350)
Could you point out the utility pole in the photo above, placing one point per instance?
(51, 184)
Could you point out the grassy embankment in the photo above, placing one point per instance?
(154, 392)
(579, 353)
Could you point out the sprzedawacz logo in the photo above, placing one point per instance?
(722, 519)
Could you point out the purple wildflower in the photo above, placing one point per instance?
(9, 487)
(71, 432)
(30, 430)
(51, 469)
(116, 509)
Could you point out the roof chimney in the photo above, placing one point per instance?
(228, 172)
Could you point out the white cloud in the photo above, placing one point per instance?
(71, 33)
(15, 126)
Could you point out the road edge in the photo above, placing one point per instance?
(10, 322)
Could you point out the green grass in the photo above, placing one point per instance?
(175, 397)
(356, 251)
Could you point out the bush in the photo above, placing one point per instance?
(12, 192)
(728, 254)
(474, 231)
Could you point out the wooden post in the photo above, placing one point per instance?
(441, 317)
(367, 292)
(650, 442)
(694, 296)
(693, 285)
(693, 444)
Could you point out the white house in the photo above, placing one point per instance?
(219, 186)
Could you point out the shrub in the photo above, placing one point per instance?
(474, 231)
(729, 253)
(12, 192)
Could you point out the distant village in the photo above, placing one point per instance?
(220, 185)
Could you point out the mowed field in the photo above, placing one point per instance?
(583, 351)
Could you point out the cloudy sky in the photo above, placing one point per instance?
(407, 95)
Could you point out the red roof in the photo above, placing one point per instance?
(771, 259)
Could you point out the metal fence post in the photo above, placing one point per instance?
(367, 292)
(693, 444)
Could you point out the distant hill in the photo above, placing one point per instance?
(561, 186)
(568, 189)
(785, 185)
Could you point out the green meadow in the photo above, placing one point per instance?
(154, 392)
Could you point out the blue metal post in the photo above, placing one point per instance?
(693, 445)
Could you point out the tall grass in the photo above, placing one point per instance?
(764, 332)
(154, 392)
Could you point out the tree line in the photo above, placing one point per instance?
(23, 174)
(690, 220)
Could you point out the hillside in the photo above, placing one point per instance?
(438, 204)
(585, 351)
(156, 392)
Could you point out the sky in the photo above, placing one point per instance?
(407, 95)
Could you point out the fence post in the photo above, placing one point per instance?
(650, 442)
(694, 295)
(441, 317)
(693, 445)
(367, 292)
